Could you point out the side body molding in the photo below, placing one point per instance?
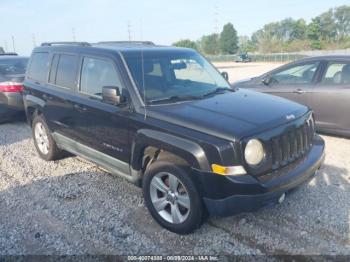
(189, 150)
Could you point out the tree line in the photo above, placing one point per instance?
(329, 30)
(227, 42)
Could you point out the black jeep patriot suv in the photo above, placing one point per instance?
(165, 119)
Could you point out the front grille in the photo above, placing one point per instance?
(292, 144)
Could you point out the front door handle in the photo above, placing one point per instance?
(46, 97)
(80, 108)
(299, 91)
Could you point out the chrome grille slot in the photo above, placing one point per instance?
(293, 144)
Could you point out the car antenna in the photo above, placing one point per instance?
(143, 81)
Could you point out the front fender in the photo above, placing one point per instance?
(189, 150)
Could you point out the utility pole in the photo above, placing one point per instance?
(141, 30)
(5, 46)
(13, 44)
(73, 34)
(216, 19)
(34, 40)
(129, 30)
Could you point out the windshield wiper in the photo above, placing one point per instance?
(174, 99)
(218, 90)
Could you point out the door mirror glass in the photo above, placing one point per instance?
(225, 75)
(111, 95)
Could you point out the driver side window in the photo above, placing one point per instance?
(95, 74)
(300, 74)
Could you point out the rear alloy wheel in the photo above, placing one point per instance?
(41, 138)
(172, 198)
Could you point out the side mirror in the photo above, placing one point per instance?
(111, 95)
(267, 80)
(225, 75)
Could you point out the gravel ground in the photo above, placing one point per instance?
(71, 207)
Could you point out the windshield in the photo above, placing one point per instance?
(172, 76)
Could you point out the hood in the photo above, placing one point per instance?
(232, 114)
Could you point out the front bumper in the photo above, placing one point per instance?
(247, 193)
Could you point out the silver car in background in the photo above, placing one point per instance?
(322, 83)
(12, 72)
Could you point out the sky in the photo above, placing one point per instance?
(30, 22)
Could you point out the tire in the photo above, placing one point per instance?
(43, 141)
(180, 208)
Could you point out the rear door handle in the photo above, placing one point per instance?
(299, 91)
(80, 108)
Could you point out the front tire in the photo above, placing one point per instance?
(172, 198)
(43, 141)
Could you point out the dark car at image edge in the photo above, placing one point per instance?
(12, 72)
(166, 120)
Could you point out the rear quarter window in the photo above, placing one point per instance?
(38, 67)
(67, 68)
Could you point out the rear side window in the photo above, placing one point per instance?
(66, 71)
(337, 74)
(97, 73)
(38, 67)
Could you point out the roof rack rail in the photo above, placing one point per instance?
(127, 42)
(65, 43)
(11, 53)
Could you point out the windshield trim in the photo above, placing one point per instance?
(144, 104)
(132, 80)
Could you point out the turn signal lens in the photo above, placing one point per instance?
(228, 170)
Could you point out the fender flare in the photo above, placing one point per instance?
(189, 150)
(32, 102)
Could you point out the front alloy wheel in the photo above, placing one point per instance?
(172, 197)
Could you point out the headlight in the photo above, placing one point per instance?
(254, 152)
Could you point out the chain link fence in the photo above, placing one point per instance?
(278, 57)
(283, 57)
